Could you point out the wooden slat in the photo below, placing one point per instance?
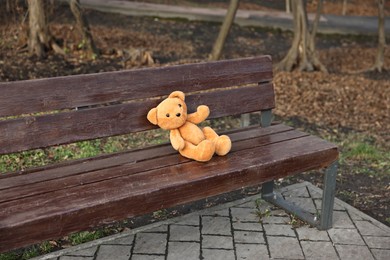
(54, 129)
(171, 158)
(62, 170)
(105, 202)
(23, 97)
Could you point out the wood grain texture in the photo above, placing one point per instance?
(62, 128)
(42, 95)
(67, 210)
(167, 157)
(66, 169)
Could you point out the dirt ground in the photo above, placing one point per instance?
(337, 103)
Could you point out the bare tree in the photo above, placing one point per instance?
(302, 54)
(381, 37)
(288, 6)
(344, 11)
(224, 31)
(40, 38)
(83, 27)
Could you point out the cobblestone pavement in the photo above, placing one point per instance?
(234, 231)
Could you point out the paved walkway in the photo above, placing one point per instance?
(273, 19)
(233, 231)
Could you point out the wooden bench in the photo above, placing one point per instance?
(52, 201)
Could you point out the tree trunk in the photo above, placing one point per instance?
(288, 6)
(39, 32)
(40, 38)
(302, 54)
(83, 27)
(224, 31)
(381, 36)
(344, 11)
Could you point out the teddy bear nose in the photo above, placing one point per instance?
(178, 114)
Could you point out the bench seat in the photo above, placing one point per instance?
(57, 200)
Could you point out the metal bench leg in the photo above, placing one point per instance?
(328, 194)
(267, 188)
(272, 197)
(325, 221)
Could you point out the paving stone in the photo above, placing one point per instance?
(279, 213)
(366, 228)
(128, 240)
(313, 234)
(341, 219)
(345, 236)
(276, 220)
(318, 250)
(302, 192)
(350, 252)
(336, 206)
(378, 242)
(219, 242)
(251, 252)
(247, 226)
(191, 219)
(262, 205)
(278, 230)
(216, 225)
(65, 257)
(249, 204)
(244, 214)
(218, 254)
(85, 252)
(184, 233)
(249, 237)
(148, 257)
(113, 252)
(314, 194)
(285, 247)
(219, 213)
(355, 216)
(183, 250)
(158, 229)
(305, 203)
(381, 254)
(150, 243)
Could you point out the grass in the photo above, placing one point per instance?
(85, 236)
(31, 252)
(359, 150)
(79, 150)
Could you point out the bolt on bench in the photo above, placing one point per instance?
(51, 201)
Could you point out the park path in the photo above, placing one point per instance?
(329, 24)
(232, 231)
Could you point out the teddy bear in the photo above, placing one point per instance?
(186, 137)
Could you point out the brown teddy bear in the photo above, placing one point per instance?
(186, 137)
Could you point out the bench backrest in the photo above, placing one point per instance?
(46, 112)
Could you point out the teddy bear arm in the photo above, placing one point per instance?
(177, 140)
(200, 115)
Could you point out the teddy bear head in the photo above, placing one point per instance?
(171, 113)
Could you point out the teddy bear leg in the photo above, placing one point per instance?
(201, 152)
(222, 143)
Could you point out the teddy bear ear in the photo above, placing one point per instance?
(152, 116)
(177, 94)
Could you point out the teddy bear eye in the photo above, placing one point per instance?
(179, 105)
(167, 115)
